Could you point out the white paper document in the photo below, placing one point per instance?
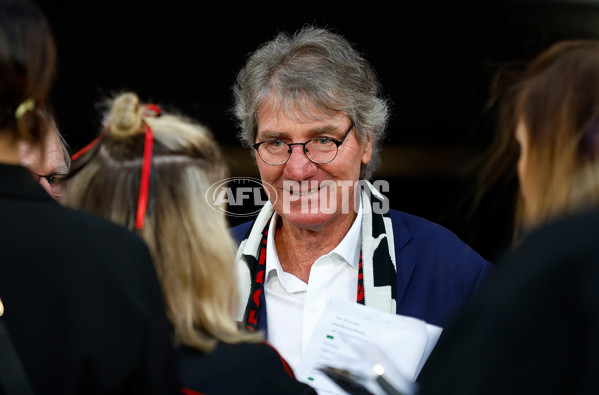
(363, 340)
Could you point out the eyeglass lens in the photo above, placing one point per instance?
(320, 150)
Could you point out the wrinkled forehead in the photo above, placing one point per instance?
(51, 160)
(299, 108)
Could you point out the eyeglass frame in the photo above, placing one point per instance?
(290, 145)
(63, 177)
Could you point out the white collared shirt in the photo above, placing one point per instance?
(293, 307)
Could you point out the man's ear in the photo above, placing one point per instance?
(367, 149)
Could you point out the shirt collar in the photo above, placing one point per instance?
(349, 248)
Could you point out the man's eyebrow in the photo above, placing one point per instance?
(314, 132)
(326, 129)
(270, 135)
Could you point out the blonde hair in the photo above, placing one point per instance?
(558, 104)
(192, 249)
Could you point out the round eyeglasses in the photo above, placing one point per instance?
(319, 150)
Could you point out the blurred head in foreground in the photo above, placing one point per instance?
(150, 172)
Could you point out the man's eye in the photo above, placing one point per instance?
(55, 179)
(277, 143)
(322, 140)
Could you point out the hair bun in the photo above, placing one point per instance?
(126, 116)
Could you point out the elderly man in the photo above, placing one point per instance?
(310, 107)
(50, 163)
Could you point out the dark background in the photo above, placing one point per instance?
(436, 61)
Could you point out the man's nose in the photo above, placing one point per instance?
(299, 166)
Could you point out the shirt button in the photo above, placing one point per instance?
(313, 308)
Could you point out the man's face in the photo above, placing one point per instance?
(311, 195)
(53, 162)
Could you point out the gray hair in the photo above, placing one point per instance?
(312, 71)
(66, 149)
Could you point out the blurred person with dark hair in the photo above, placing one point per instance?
(80, 305)
(150, 172)
(535, 327)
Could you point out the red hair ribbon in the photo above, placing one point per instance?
(153, 110)
(89, 146)
(144, 187)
